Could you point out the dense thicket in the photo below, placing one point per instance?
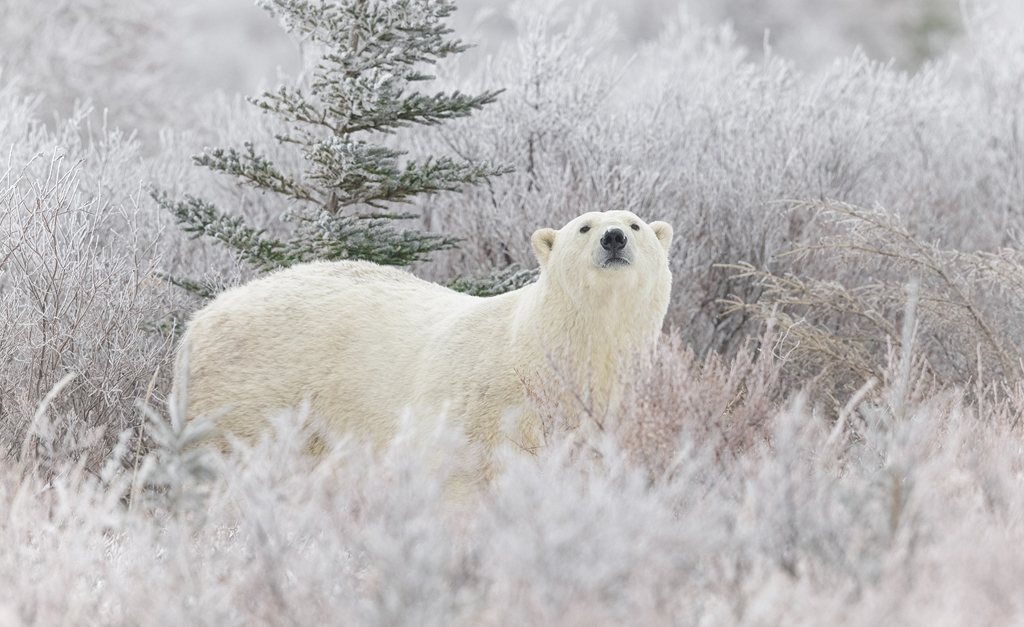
(830, 433)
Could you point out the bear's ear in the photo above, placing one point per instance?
(543, 241)
(663, 231)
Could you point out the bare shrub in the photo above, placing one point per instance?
(666, 402)
(722, 405)
(871, 288)
(76, 260)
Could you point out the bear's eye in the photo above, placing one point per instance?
(635, 227)
(584, 229)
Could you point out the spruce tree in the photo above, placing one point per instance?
(341, 204)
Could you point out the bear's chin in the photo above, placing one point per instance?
(615, 263)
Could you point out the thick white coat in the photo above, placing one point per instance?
(363, 344)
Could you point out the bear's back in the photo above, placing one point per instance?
(345, 334)
(331, 293)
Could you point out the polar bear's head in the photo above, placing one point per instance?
(610, 251)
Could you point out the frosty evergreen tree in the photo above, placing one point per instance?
(373, 51)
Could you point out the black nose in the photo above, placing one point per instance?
(613, 240)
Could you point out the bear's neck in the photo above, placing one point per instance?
(594, 336)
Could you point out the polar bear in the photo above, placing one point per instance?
(362, 343)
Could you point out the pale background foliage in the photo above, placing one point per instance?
(725, 492)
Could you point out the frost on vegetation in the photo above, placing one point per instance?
(341, 205)
(871, 288)
(77, 244)
(104, 52)
(857, 463)
(766, 516)
(499, 281)
(693, 132)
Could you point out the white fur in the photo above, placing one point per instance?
(363, 343)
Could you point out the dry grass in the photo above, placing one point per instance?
(871, 288)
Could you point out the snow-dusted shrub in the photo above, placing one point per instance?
(77, 293)
(717, 494)
(909, 515)
(104, 51)
(811, 33)
(909, 31)
(694, 132)
(724, 405)
(898, 293)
